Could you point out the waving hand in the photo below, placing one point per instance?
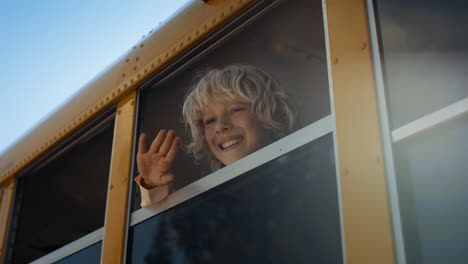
(155, 164)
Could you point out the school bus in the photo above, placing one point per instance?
(376, 173)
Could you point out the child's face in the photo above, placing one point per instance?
(232, 131)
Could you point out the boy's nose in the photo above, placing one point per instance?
(224, 125)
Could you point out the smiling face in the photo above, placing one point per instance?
(232, 131)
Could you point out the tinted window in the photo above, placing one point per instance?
(89, 255)
(425, 60)
(432, 178)
(64, 197)
(425, 50)
(285, 211)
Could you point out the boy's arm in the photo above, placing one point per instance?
(150, 197)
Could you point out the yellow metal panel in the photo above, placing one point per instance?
(119, 182)
(152, 53)
(8, 193)
(367, 223)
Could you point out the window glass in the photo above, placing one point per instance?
(287, 42)
(64, 197)
(432, 180)
(425, 60)
(89, 255)
(285, 211)
(425, 55)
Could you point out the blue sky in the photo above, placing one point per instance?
(51, 48)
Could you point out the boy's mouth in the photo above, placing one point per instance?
(230, 143)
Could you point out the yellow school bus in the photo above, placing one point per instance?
(376, 172)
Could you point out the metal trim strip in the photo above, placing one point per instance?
(386, 138)
(431, 120)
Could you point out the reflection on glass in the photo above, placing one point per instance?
(287, 42)
(285, 211)
(432, 175)
(89, 255)
(425, 55)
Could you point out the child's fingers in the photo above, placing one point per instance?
(142, 144)
(173, 150)
(167, 143)
(158, 140)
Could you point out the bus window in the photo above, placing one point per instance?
(277, 205)
(290, 48)
(90, 255)
(425, 55)
(432, 175)
(63, 196)
(285, 211)
(424, 47)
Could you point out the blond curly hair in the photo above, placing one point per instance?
(240, 84)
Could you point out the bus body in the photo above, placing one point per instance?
(375, 174)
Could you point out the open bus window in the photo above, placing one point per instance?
(63, 197)
(287, 43)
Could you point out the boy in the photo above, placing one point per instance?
(231, 113)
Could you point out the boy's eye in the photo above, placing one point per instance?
(209, 121)
(237, 110)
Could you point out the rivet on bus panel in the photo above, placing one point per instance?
(335, 60)
(364, 46)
